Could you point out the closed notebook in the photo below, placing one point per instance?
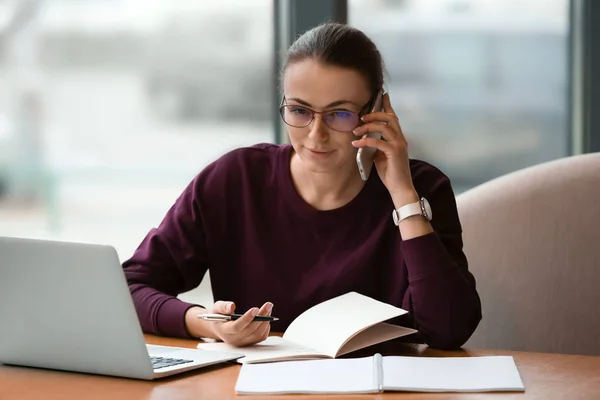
(330, 329)
(378, 374)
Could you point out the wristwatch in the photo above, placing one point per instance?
(421, 207)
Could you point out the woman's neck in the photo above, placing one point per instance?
(325, 191)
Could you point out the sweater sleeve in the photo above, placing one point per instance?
(442, 297)
(170, 260)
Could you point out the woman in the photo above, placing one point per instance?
(296, 225)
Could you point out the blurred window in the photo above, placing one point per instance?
(480, 86)
(108, 108)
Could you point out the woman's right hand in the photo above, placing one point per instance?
(241, 332)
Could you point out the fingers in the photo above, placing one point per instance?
(242, 323)
(383, 118)
(389, 134)
(256, 331)
(224, 307)
(387, 104)
(372, 142)
(387, 123)
(244, 331)
(264, 310)
(260, 334)
(388, 116)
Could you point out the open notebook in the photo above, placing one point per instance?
(377, 374)
(330, 329)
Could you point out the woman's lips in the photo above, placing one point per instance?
(320, 153)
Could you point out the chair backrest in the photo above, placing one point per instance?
(532, 238)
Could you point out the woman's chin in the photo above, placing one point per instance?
(325, 166)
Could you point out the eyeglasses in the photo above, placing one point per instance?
(338, 120)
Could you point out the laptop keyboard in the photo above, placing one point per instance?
(162, 362)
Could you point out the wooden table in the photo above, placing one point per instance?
(546, 376)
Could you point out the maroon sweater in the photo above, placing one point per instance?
(242, 219)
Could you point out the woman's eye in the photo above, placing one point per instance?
(299, 110)
(342, 114)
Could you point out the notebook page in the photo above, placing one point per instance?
(383, 332)
(355, 375)
(272, 349)
(451, 374)
(328, 325)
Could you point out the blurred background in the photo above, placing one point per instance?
(481, 86)
(108, 108)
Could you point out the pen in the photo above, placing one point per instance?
(233, 317)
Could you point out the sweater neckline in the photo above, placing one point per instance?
(305, 210)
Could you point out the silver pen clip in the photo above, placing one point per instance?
(214, 317)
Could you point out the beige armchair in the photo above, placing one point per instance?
(533, 243)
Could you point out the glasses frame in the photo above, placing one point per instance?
(362, 112)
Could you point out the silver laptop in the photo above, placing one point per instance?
(67, 306)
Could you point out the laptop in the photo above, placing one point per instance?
(67, 306)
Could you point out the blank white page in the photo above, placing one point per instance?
(382, 332)
(451, 374)
(328, 325)
(354, 375)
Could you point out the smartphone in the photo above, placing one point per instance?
(365, 155)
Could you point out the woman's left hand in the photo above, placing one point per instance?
(391, 159)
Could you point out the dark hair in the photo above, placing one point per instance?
(340, 45)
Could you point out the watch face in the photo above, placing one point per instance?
(395, 217)
(427, 208)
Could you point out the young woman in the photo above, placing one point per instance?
(295, 225)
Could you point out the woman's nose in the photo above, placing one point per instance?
(318, 128)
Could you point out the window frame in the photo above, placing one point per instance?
(291, 19)
(584, 60)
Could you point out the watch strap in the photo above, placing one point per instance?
(406, 211)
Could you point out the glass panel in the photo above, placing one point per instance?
(480, 86)
(108, 108)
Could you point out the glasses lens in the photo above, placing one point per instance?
(343, 121)
(296, 116)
